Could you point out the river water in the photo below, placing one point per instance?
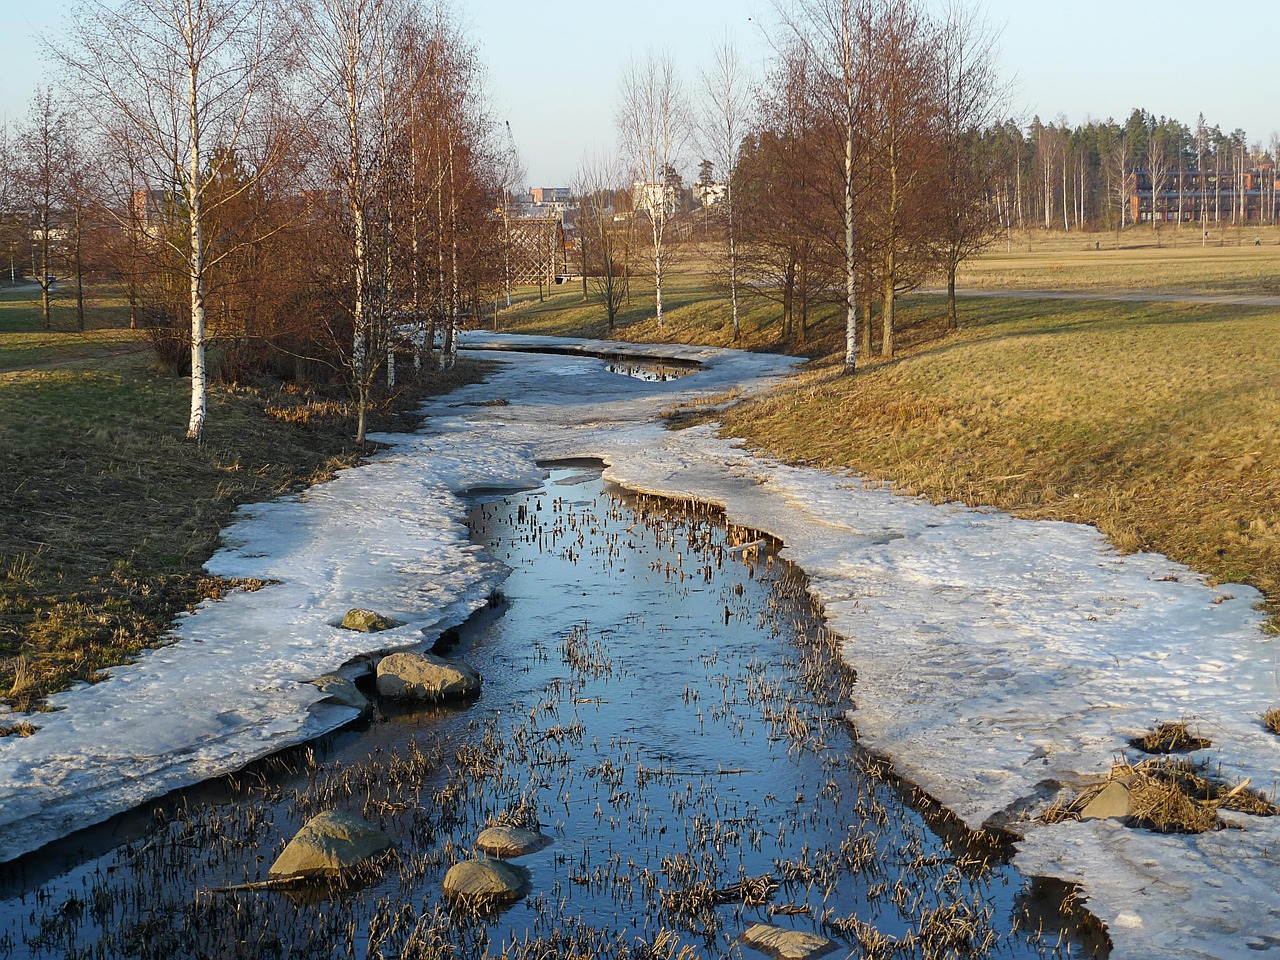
(660, 698)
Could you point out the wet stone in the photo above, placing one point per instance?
(424, 676)
(366, 621)
(785, 944)
(485, 882)
(342, 691)
(329, 845)
(504, 841)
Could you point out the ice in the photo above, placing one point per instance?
(998, 659)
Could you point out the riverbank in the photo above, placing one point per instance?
(1000, 663)
(107, 515)
(1156, 422)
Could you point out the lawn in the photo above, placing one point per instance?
(1229, 263)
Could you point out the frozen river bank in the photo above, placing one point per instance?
(995, 656)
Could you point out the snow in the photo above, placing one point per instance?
(999, 660)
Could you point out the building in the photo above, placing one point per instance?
(649, 196)
(1195, 196)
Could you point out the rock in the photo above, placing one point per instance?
(366, 621)
(331, 844)
(1112, 803)
(485, 882)
(785, 944)
(424, 676)
(504, 841)
(343, 691)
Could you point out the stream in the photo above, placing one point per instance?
(660, 697)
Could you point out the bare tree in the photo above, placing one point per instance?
(44, 154)
(831, 29)
(971, 100)
(510, 176)
(724, 119)
(654, 128)
(179, 78)
(603, 244)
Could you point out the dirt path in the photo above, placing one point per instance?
(1218, 299)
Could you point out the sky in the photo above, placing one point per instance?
(554, 69)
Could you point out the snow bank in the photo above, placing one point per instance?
(997, 658)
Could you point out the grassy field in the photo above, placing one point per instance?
(107, 514)
(1157, 422)
(1172, 261)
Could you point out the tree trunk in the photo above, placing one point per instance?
(199, 377)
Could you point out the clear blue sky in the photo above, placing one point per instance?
(554, 66)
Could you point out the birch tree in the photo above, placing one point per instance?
(653, 127)
(180, 77)
(830, 28)
(724, 120)
(349, 43)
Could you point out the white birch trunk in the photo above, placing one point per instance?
(199, 376)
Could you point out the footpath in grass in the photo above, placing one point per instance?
(1159, 423)
(107, 514)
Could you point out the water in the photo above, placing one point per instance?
(651, 371)
(659, 697)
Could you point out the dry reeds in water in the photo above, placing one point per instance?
(1170, 737)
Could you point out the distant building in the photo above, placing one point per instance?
(709, 194)
(650, 196)
(544, 202)
(1202, 196)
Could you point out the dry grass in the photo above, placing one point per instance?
(1156, 423)
(1171, 261)
(1170, 796)
(1271, 720)
(1170, 737)
(107, 515)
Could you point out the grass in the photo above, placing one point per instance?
(107, 514)
(1229, 263)
(1159, 423)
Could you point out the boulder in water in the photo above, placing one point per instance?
(786, 944)
(330, 845)
(485, 883)
(366, 621)
(424, 676)
(504, 841)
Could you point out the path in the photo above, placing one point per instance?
(1215, 299)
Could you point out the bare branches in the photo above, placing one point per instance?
(653, 127)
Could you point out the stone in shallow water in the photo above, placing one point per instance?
(785, 944)
(329, 845)
(424, 676)
(504, 841)
(343, 691)
(485, 882)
